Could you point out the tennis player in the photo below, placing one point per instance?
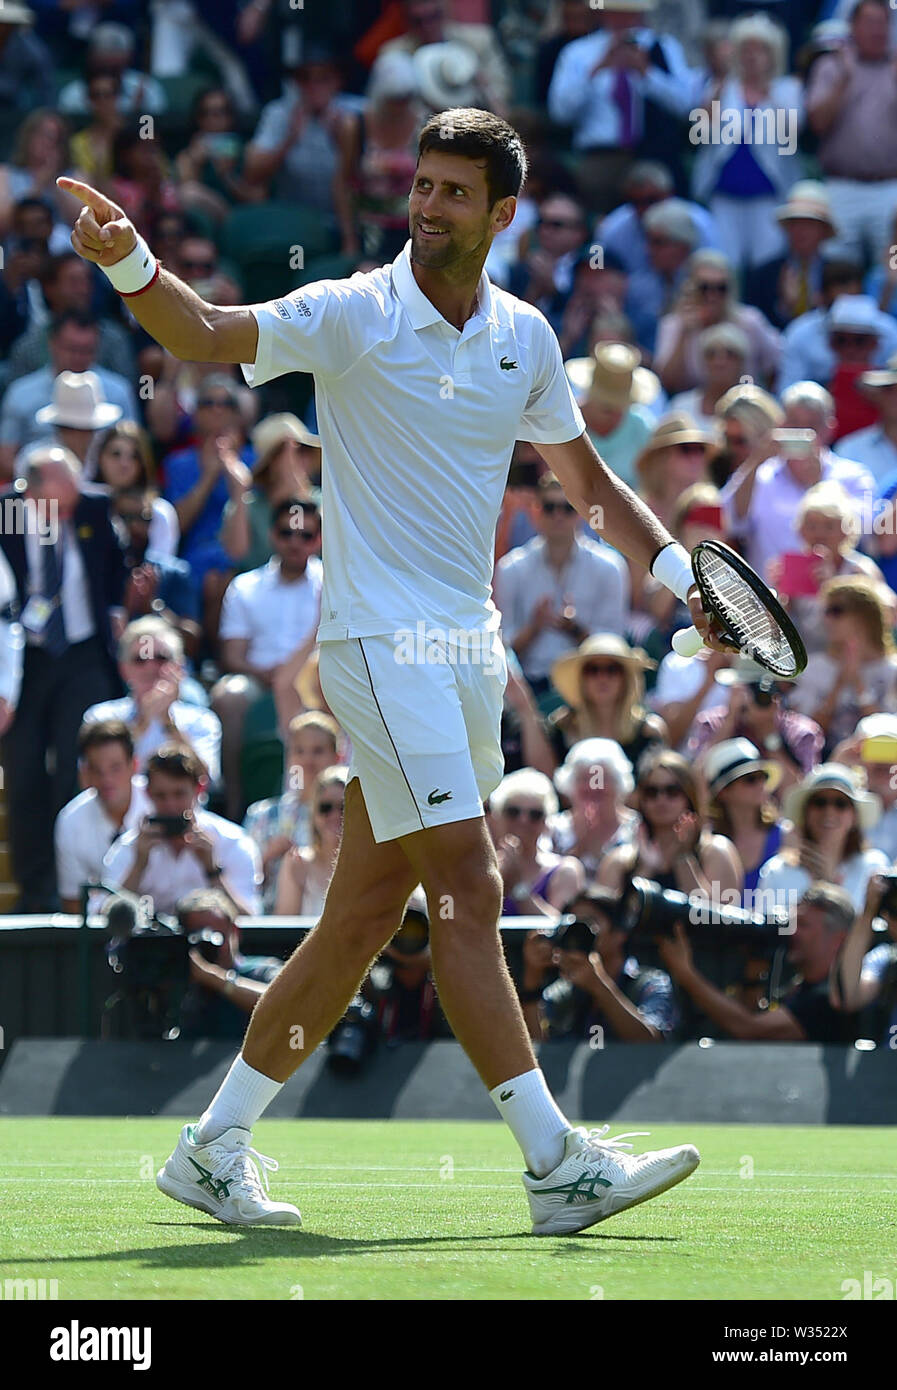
(425, 375)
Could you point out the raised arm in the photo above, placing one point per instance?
(168, 309)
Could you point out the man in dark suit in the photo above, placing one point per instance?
(69, 570)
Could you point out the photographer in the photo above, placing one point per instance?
(753, 709)
(864, 978)
(823, 917)
(225, 985)
(400, 985)
(604, 987)
(181, 847)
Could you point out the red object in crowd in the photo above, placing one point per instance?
(853, 410)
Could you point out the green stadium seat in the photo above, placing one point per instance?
(261, 757)
(325, 268)
(271, 232)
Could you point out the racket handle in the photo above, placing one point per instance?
(687, 641)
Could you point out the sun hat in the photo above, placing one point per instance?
(837, 777)
(78, 403)
(734, 758)
(446, 74)
(565, 673)
(613, 376)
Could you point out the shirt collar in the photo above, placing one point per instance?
(421, 311)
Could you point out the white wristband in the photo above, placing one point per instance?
(134, 271)
(672, 566)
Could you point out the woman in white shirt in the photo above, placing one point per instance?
(830, 812)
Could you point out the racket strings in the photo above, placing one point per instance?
(749, 620)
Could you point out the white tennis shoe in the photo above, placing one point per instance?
(226, 1178)
(596, 1179)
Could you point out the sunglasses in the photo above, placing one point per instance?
(833, 803)
(691, 448)
(549, 508)
(652, 790)
(531, 813)
(285, 532)
(131, 518)
(602, 668)
(558, 224)
(712, 286)
(852, 339)
(325, 807)
(160, 656)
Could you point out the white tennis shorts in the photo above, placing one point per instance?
(426, 735)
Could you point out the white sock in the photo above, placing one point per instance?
(240, 1099)
(527, 1106)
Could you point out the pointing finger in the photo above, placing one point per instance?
(91, 197)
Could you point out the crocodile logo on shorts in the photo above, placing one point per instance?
(436, 796)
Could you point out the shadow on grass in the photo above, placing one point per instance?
(252, 1246)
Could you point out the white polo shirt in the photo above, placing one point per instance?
(199, 726)
(417, 422)
(276, 615)
(84, 832)
(169, 876)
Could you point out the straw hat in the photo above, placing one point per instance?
(879, 376)
(676, 428)
(307, 684)
(835, 777)
(271, 432)
(78, 403)
(808, 199)
(446, 74)
(612, 375)
(565, 673)
(734, 758)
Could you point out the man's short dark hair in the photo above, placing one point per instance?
(79, 317)
(50, 271)
(602, 899)
(41, 204)
(103, 731)
(476, 134)
(833, 902)
(177, 760)
(840, 270)
(855, 9)
(292, 506)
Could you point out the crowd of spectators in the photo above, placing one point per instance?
(709, 227)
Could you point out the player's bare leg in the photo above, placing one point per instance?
(365, 901)
(456, 863)
(574, 1178)
(213, 1166)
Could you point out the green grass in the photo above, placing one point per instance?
(419, 1210)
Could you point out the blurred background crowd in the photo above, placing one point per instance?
(709, 225)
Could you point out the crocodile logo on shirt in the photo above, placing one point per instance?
(507, 365)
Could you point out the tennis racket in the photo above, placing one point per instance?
(746, 610)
